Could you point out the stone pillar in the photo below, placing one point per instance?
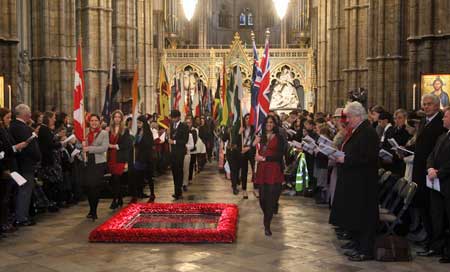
(95, 19)
(322, 60)
(53, 54)
(145, 52)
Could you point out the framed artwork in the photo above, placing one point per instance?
(437, 84)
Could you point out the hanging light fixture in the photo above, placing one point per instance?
(189, 8)
(281, 7)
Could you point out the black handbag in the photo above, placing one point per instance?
(392, 248)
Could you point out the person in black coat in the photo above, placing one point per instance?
(401, 136)
(355, 205)
(179, 136)
(143, 146)
(430, 129)
(27, 161)
(8, 164)
(50, 165)
(248, 153)
(438, 166)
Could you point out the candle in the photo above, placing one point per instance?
(9, 97)
(414, 96)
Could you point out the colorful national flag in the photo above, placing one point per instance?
(216, 107)
(254, 88)
(135, 102)
(225, 113)
(263, 83)
(238, 95)
(111, 91)
(78, 98)
(164, 94)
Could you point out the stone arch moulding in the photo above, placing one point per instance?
(298, 71)
(195, 68)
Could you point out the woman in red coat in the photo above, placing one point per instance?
(269, 173)
(120, 144)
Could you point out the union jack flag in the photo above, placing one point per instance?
(262, 82)
(255, 88)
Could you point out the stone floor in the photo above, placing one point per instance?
(302, 241)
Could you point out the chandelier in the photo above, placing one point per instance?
(189, 8)
(281, 7)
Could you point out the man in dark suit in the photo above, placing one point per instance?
(355, 205)
(430, 129)
(438, 165)
(27, 160)
(179, 135)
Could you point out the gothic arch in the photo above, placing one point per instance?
(196, 69)
(298, 72)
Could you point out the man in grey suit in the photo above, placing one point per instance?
(27, 160)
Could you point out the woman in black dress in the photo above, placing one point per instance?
(143, 146)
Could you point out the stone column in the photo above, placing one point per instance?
(96, 32)
(145, 56)
(53, 54)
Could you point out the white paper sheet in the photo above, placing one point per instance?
(18, 178)
(434, 184)
(68, 139)
(2, 155)
(330, 151)
(385, 155)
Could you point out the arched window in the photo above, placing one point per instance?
(242, 19)
(249, 19)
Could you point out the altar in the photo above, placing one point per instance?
(290, 71)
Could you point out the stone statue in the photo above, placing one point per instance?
(284, 95)
(23, 74)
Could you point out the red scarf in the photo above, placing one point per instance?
(91, 135)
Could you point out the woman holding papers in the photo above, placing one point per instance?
(95, 148)
(355, 206)
(120, 144)
(8, 164)
(321, 166)
(401, 137)
(269, 173)
(50, 171)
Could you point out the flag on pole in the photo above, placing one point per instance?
(254, 87)
(263, 83)
(176, 90)
(78, 98)
(230, 98)
(111, 91)
(195, 99)
(164, 94)
(135, 102)
(181, 104)
(216, 107)
(238, 95)
(225, 113)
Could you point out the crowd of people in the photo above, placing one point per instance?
(286, 157)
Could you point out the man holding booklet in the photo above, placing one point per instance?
(438, 180)
(355, 205)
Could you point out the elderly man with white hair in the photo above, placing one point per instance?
(27, 160)
(355, 205)
(430, 128)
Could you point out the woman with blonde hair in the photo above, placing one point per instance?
(120, 148)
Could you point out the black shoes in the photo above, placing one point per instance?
(113, 205)
(349, 245)
(267, 232)
(25, 223)
(151, 199)
(91, 216)
(360, 258)
(235, 191)
(177, 197)
(344, 236)
(185, 188)
(428, 253)
(444, 260)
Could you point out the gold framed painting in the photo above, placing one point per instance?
(437, 84)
